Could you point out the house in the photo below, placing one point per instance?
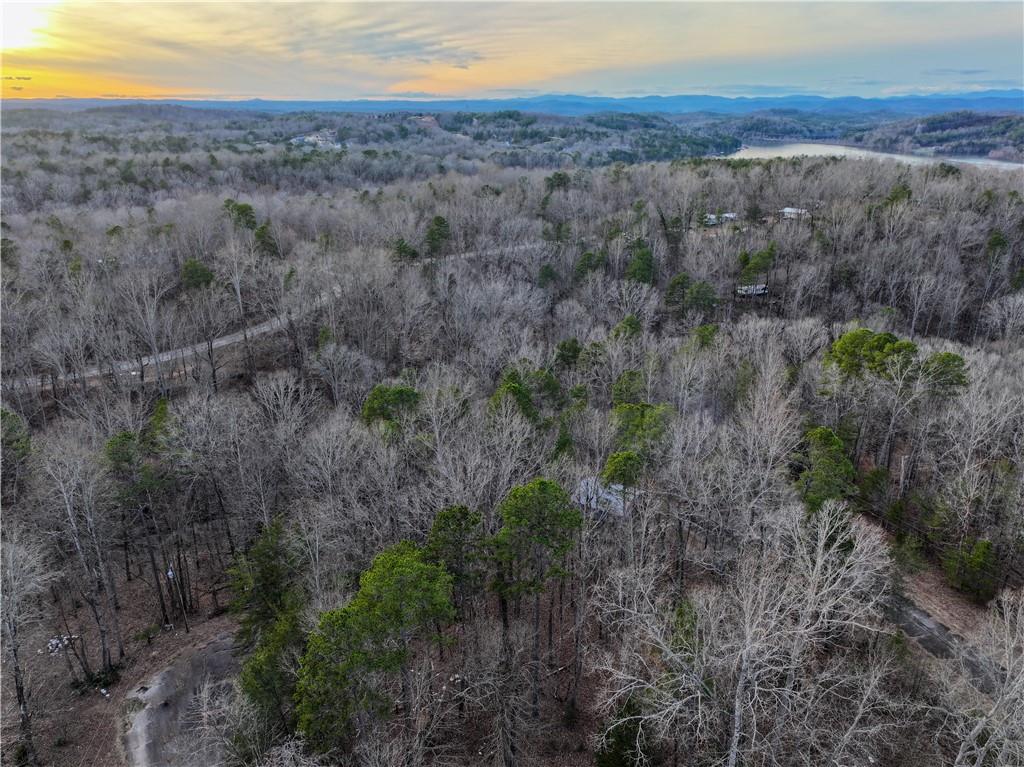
(711, 219)
(425, 121)
(794, 213)
(600, 500)
(749, 291)
(324, 139)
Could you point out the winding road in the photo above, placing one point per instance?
(915, 622)
(135, 367)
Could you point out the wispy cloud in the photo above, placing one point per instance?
(948, 72)
(405, 95)
(757, 89)
(341, 50)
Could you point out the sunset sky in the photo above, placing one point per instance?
(426, 50)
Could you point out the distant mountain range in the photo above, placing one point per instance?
(1011, 101)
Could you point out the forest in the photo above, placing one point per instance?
(956, 133)
(508, 440)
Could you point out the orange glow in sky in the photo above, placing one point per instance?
(338, 50)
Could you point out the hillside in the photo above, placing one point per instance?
(572, 105)
(504, 439)
(961, 133)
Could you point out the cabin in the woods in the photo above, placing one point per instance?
(749, 291)
(600, 500)
(794, 214)
(323, 139)
(717, 219)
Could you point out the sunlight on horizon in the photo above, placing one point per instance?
(24, 24)
(327, 51)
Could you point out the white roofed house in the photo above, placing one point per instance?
(716, 219)
(750, 291)
(794, 214)
(322, 139)
(600, 500)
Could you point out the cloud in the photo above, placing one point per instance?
(948, 72)
(857, 81)
(405, 95)
(340, 50)
(513, 91)
(1000, 83)
(753, 89)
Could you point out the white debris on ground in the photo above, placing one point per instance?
(59, 643)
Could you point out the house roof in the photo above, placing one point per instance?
(600, 499)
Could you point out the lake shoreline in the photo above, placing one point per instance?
(784, 149)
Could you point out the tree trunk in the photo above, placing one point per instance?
(737, 715)
(407, 698)
(535, 670)
(83, 659)
(24, 715)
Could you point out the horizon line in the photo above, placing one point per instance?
(439, 98)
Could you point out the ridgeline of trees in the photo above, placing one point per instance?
(956, 133)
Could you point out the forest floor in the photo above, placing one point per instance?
(82, 727)
(928, 589)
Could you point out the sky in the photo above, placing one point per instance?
(345, 50)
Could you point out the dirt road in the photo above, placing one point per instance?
(160, 726)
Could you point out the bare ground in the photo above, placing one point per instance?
(82, 728)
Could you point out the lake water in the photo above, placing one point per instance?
(768, 151)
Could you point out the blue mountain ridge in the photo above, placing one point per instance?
(1011, 101)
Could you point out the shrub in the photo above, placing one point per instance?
(623, 468)
(195, 274)
(620, 745)
(970, 569)
(829, 473)
(589, 262)
(567, 353)
(388, 403)
(641, 266)
(404, 251)
(701, 298)
(629, 326)
(629, 388)
(438, 234)
(675, 293)
(546, 276)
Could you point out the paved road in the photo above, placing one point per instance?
(274, 324)
(939, 641)
(159, 727)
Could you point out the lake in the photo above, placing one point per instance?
(768, 151)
